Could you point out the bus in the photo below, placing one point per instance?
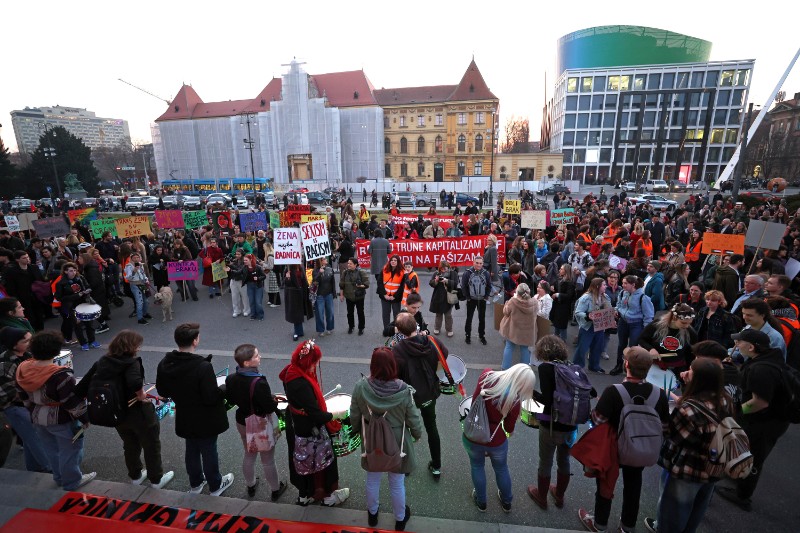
(204, 187)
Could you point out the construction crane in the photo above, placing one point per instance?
(168, 102)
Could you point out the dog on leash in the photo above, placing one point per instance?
(164, 298)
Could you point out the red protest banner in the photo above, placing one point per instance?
(171, 218)
(445, 221)
(458, 251)
(293, 214)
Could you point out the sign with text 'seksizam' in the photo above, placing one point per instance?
(316, 243)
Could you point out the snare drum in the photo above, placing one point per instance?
(64, 358)
(88, 312)
(528, 412)
(463, 408)
(164, 406)
(283, 405)
(458, 369)
(344, 441)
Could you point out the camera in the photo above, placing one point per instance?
(137, 264)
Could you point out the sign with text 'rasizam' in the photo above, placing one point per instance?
(287, 246)
(316, 243)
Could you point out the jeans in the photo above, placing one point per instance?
(255, 295)
(428, 413)
(498, 455)
(472, 305)
(323, 308)
(591, 341)
(763, 436)
(560, 333)
(628, 335)
(682, 504)
(631, 493)
(551, 443)
(139, 300)
(389, 308)
(65, 455)
(397, 489)
(298, 329)
(141, 431)
(508, 354)
(267, 463)
(19, 418)
(448, 321)
(355, 306)
(240, 297)
(213, 289)
(202, 462)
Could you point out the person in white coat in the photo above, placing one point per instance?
(545, 300)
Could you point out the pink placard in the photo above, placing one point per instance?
(171, 218)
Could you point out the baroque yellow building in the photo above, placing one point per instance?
(439, 133)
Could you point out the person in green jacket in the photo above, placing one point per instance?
(12, 315)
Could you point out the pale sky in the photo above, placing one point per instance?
(71, 53)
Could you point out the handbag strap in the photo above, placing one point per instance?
(252, 390)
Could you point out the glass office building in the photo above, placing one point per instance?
(634, 103)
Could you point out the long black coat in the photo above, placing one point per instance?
(439, 297)
(296, 303)
(98, 285)
(561, 312)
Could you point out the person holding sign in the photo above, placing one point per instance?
(209, 255)
(593, 300)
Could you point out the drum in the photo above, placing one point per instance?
(88, 312)
(283, 405)
(458, 369)
(527, 414)
(64, 358)
(345, 441)
(463, 408)
(164, 406)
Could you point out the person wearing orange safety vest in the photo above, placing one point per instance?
(584, 235)
(693, 255)
(410, 281)
(391, 290)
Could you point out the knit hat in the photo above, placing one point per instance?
(656, 264)
(9, 337)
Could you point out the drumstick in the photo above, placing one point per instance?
(338, 387)
(135, 399)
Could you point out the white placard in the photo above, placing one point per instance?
(764, 235)
(534, 219)
(12, 224)
(792, 267)
(26, 220)
(316, 243)
(287, 246)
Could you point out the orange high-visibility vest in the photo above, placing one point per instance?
(648, 247)
(693, 254)
(53, 284)
(391, 282)
(609, 239)
(407, 290)
(585, 237)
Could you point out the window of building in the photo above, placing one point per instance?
(730, 135)
(586, 84)
(462, 143)
(437, 144)
(572, 103)
(596, 120)
(597, 102)
(479, 143)
(653, 81)
(420, 169)
(727, 153)
(386, 121)
(727, 78)
(638, 82)
(697, 80)
(479, 117)
(607, 137)
(580, 138)
(743, 77)
(420, 120)
(716, 135)
(738, 97)
(462, 168)
(683, 80)
(713, 155)
(723, 98)
(403, 146)
(734, 116)
(608, 120)
(572, 85)
(647, 135)
(692, 118)
(676, 118)
(720, 117)
(668, 81)
(478, 168)
(649, 119)
(619, 83)
(387, 170)
(579, 156)
(605, 155)
(569, 138)
(594, 138)
(711, 78)
(569, 120)
(651, 100)
(567, 155)
(583, 120)
(403, 169)
(584, 103)
(462, 119)
(387, 145)
(402, 121)
(421, 145)
(438, 119)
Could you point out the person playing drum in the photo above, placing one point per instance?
(71, 291)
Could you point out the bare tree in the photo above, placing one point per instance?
(517, 134)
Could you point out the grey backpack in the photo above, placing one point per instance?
(380, 449)
(476, 424)
(640, 433)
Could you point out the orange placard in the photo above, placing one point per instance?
(719, 243)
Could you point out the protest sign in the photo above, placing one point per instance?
(194, 219)
(274, 219)
(169, 218)
(458, 251)
(26, 220)
(603, 319)
(132, 226)
(762, 234)
(316, 243)
(445, 221)
(102, 225)
(12, 224)
(223, 225)
(792, 267)
(617, 262)
(292, 214)
(287, 246)
(723, 243)
(253, 221)
(218, 271)
(47, 228)
(562, 216)
(182, 270)
(82, 215)
(511, 207)
(534, 219)
(312, 218)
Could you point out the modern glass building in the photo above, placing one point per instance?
(634, 103)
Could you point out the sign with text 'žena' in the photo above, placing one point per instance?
(316, 243)
(287, 246)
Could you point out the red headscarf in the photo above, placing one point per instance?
(304, 366)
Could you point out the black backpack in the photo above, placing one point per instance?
(106, 402)
(423, 378)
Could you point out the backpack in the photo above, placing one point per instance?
(793, 344)
(640, 432)
(106, 402)
(476, 284)
(476, 424)
(380, 449)
(790, 382)
(572, 395)
(423, 378)
(552, 273)
(729, 451)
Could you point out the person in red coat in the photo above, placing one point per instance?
(209, 255)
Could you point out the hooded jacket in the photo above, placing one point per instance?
(129, 369)
(189, 380)
(417, 361)
(519, 321)
(726, 280)
(48, 392)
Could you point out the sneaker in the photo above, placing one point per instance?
(147, 316)
(483, 341)
(303, 501)
(227, 481)
(141, 478)
(372, 519)
(84, 347)
(320, 333)
(235, 315)
(467, 340)
(102, 329)
(587, 519)
(245, 314)
(449, 333)
(338, 496)
(730, 494)
(166, 478)
(95, 344)
(506, 506)
(481, 506)
(651, 525)
(276, 494)
(251, 489)
(400, 525)
(86, 478)
(143, 321)
(436, 472)
(604, 355)
(436, 332)
(329, 332)
(198, 489)
(72, 341)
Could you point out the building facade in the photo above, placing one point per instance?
(775, 148)
(634, 103)
(95, 132)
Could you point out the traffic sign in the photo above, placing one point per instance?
(128, 168)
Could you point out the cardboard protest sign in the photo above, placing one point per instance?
(47, 228)
(603, 319)
(169, 218)
(719, 243)
(82, 215)
(534, 219)
(26, 220)
(312, 218)
(292, 214)
(194, 219)
(253, 221)
(792, 267)
(287, 246)
(218, 271)
(223, 225)
(562, 216)
(316, 243)
(132, 226)
(102, 225)
(617, 262)
(764, 234)
(274, 219)
(12, 224)
(512, 207)
(182, 270)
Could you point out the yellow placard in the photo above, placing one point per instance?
(312, 218)
(512, 207)
(132, 226)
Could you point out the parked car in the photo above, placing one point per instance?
(218, 200)
(630, 186)
(21, 205)
(171, 202)
(301, 198)
(134, 203)
(656, 201)
(677, 186)
(318, 198)
(149, 203)
(192, 202)
(462, 198)
(655, 185)
(241, 202)
(403, 198)
(42, 202)
(299, 189)
(553, 189)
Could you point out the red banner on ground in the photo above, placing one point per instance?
(458, 251)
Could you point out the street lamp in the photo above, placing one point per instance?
(249, 144)
(50, 153)
(491, 173)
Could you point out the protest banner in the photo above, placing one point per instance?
(316, 243)
(132, 226)
(458, 251)
(169, 218)
(26, 220)
(287, 246)
(617, 262)
(218, 271)
(102, 225)
(82, 215)
(562, 216)
(445, 221)
(182, 270)
(291, 215)
(194, 219)
(534, 219)
(603, 319)
(12, 223)
(763, 234)
(47, 228)
(223, 225)
(253, 221)
(723, 243)
(274, 219)
(512, 207)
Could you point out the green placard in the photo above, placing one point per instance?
(274, 219)
(194, 219)
(102, 225)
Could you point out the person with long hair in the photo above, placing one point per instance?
(678, 285)
(391, 288)
(382, 393)
(503, 392)
(518, 326)
(713, 322)
(544, 299)
(563, 298)
(694, 256)
(594, 299)
(253, 278)
(444, 282)
(139, 429)
(307, 413)
(671, 336)
(297, 308)
(71, 291)
(273, 288)
(686, 487)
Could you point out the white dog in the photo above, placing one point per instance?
(164, 298)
